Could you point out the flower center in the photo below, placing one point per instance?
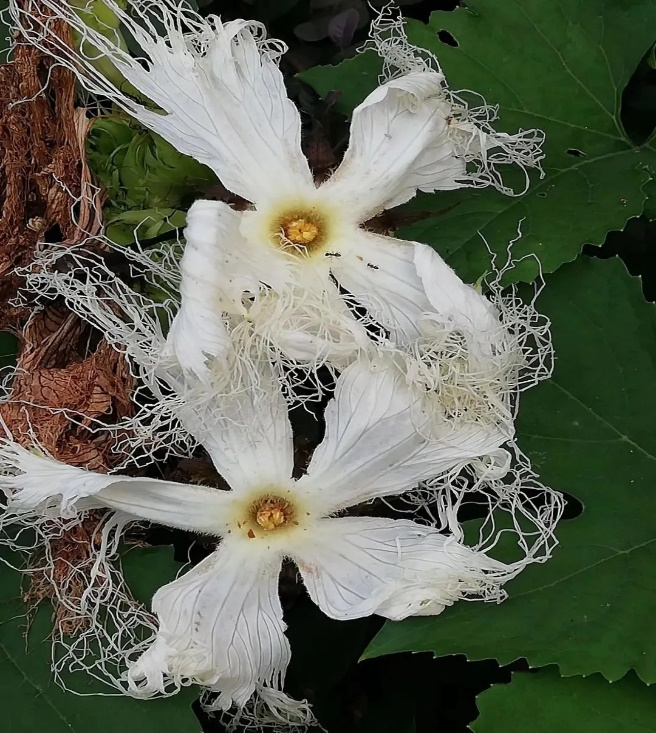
(272, 512)
(300, 231)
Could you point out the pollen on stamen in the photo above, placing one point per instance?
(302, 232)
(272, 512)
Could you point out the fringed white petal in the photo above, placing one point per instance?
(357, 566)
(129, 321)
(472, 139)
(399, 144)
(485, 149)
(413, 134)
(219, 270)
(460, 306)
(381, 276)
(39, 484)
(219, 264)
(378, 440)
(221, 627)
(308, 322)
(219, 85)
(242, 424)
(198, 332)
(198, 339)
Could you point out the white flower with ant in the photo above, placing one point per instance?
(297, 259)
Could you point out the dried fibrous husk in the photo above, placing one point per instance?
(46, 192)
(58, 396)
(58, 399)
(68, 382)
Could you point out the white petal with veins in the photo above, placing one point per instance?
(356, 566)
(381, 275)
(220, 626)
(459, 304)
(309, 321)
(377, 440)
(219, 269)
(37, 483)
(243, 425)
(399, 144)
(222, 93)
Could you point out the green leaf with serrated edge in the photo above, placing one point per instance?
(560, 67)
(38, 704)
(589, 431)
(650, 203)
(544, 702)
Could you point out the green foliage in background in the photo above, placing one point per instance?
(563, 68)
(560, 67)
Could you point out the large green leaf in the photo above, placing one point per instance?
(560, 67)
(35, 703)
(544, 702)
(590, 432)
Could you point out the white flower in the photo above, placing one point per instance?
(220, 624)
(223, 101)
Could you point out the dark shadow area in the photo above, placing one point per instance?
(573, 507)
(447, 38)
(636, 246)
(638, 108)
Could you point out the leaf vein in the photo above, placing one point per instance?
(622, 436)
(592, 96)
(41, 693)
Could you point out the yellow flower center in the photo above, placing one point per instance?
(272, 512)
(300, 231)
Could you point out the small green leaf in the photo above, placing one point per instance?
(126, 227)
(589, 431)
(544, 702)
(98, 15)
(140, 170)
(560, 67)
(106, 146)
(154, 173)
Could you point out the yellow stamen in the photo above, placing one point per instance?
(300, 231)
(272, 512)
